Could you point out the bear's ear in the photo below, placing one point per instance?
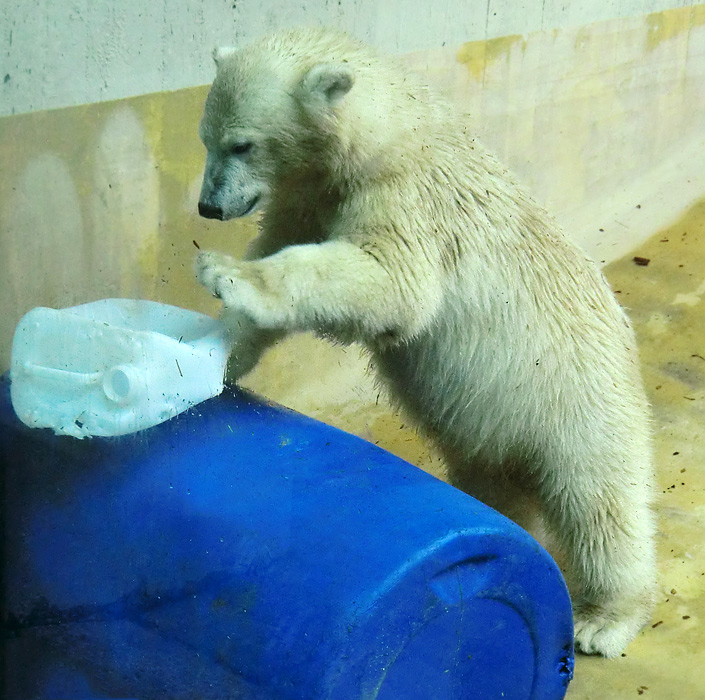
(329, 81)
(222, 52)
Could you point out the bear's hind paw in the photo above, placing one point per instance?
(606, 633)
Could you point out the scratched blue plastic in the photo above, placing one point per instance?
(244, 551)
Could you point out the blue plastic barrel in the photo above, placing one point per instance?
(244, 551)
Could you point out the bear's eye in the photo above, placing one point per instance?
(241, 149)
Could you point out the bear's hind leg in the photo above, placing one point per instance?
(605, 529)
(498, 486)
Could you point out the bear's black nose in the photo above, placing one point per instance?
(208, 211)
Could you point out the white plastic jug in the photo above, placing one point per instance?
(113, 366)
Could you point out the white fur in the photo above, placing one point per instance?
(220, 53)
(386, 223)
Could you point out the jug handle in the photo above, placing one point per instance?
(82, 378)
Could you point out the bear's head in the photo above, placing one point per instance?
(266, 120)
(298, 107)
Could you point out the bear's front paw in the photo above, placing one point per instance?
(241, 286)
(211, 268)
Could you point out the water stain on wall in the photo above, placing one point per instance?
(477, 56)
(43, 207)
(125, 207)
(666, 25)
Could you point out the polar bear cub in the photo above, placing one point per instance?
(386, 223)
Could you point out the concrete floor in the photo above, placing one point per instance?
(666, 300)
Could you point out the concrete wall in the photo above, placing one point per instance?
(55, 54)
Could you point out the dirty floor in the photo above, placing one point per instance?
(666, 300)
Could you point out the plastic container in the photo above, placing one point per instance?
(113, 366)
(241, 550)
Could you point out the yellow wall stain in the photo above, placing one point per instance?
(148, 258)
(697, 15)
(150, 109)
(477, 55)
(171, 121)
(669, 24)
(583, 37)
